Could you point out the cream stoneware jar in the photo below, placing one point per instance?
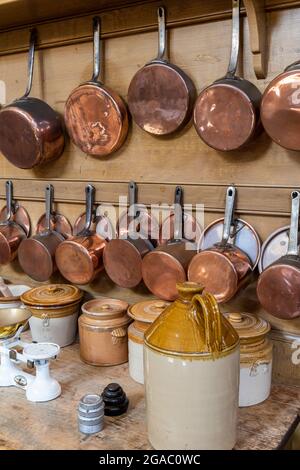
(192, 363)
(144, 313)
(255, 357)
(54, 310)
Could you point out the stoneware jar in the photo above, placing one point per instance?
(192, 374)
(54, 310)
(103, 332)
(144, 313)
(255, 357)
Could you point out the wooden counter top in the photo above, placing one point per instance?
(53, 425)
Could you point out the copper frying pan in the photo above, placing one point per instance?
(166, 265)
(161, 96)
(31, 132)
(226, 114)
(222, 267)
(123, 257)
(96, 116)
(278, 285)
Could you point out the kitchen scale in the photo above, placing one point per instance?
(14, 352)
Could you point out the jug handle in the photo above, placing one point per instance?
(207, 307)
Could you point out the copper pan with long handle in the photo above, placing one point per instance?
(161, 96)
(278, 285)
(31, 132)
(96, 116)
(221, 268)
(80, 259)
(226, 113)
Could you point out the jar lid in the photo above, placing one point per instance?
(248, 326)
(148, 310)
(52, 295)
(103, 308)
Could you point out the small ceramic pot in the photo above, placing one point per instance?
(54, 310)
(103, 332)
(255, 357)
(144, 313)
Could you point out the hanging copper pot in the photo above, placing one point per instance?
(31, 132)
(123, 257)
(37, 254)
(14, 227)
(79, 259)
(278, 285)
(96, 116)
(223, 267)
(165, 266)
(161, 96)
(226, 114)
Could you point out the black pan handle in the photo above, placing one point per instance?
(89, 207)
(49, 195)
(235, 39)
(294, 224)
(32, 44)
(9, 200)
(178, 216)
(97, 49)
(162, 35)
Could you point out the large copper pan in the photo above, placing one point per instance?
(166, 265)
(161, 96)
(79, 259)
(37, 254)
(96, 116)
(223, 267)
(226, 114)
(278, 285)
(123, 257)
(31, 132)
(14, 228)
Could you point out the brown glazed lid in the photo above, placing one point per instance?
(52, 295)
(249, 327)
(105, 313)
(181, 330)
(147, 311)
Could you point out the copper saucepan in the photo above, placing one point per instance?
(226, 114)
(123, 257)
(278, 285)
(37, 254)
(161, 96)
(166, 265)
(79, 259)
(14, 228)
(280, 108)
(96, 116)
(222, 267)
(31, 132)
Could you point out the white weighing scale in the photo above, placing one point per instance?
(14, 352)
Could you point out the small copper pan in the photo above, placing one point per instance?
(31, 132)
(13, 229)
(226, 114)
(37, 254)
(223, 267)
(79, 259)
(166, 265)
(123, 257)
(278, 285)
(161, 96)
(96, 116)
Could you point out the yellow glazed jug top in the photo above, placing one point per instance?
(192, 326)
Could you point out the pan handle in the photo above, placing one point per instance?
(9, 200)
(229, 212)
(178, 213)
(49, 195)
(294, 224)
(132, 198)
(162, 48)
(32, 44)
(89, 205)
(97, 48)
(235, 40)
